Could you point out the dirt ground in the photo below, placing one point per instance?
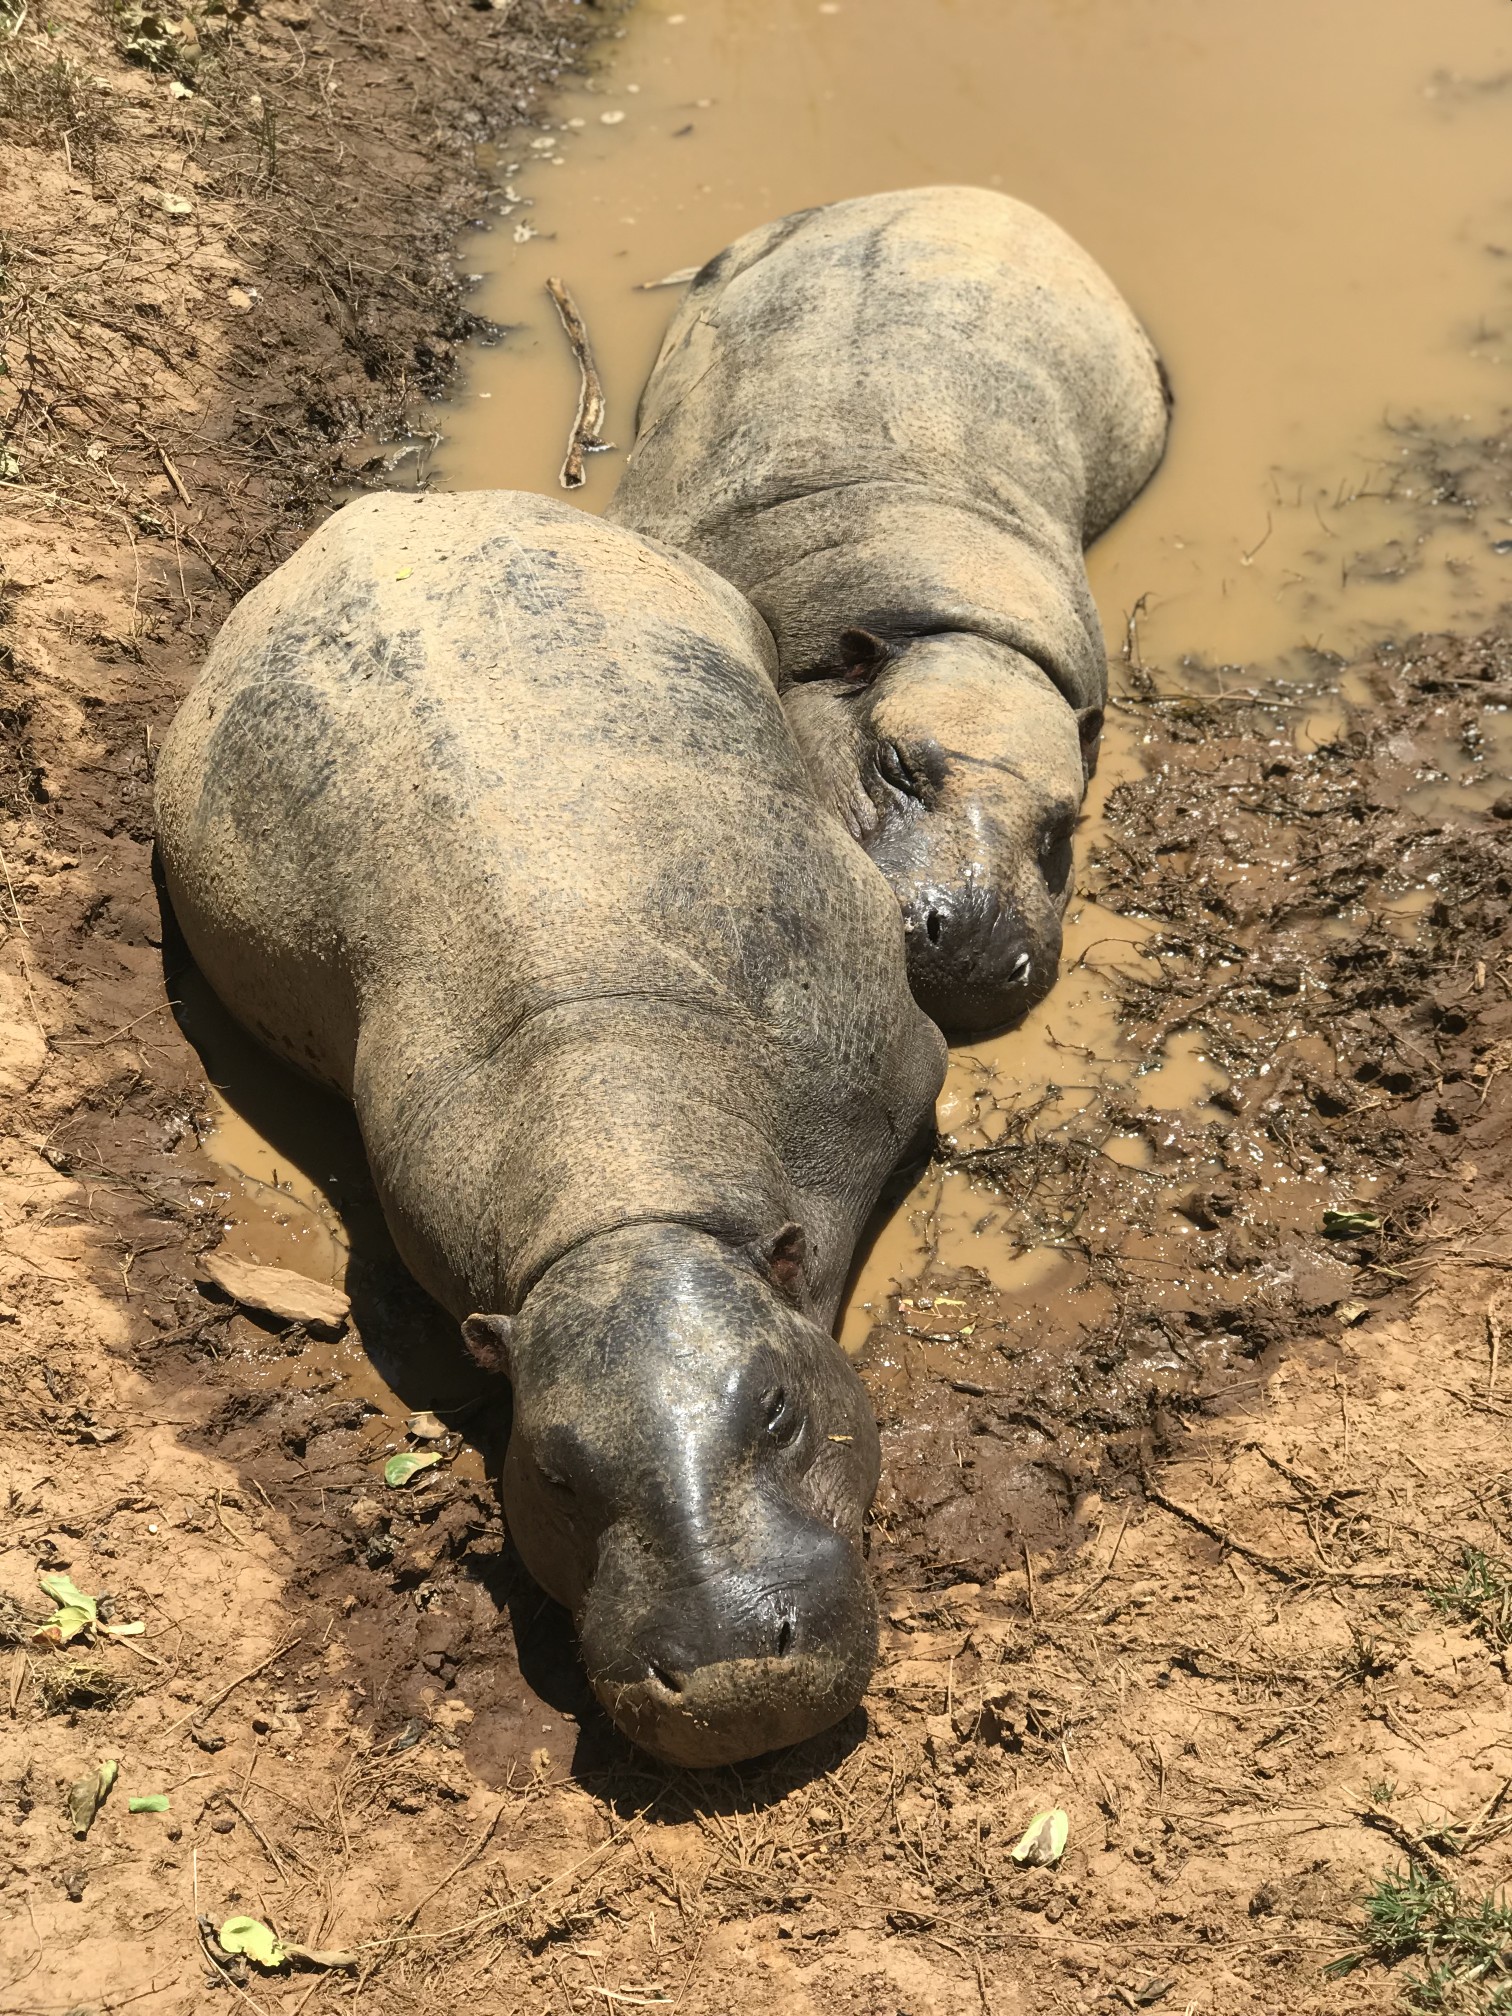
(1213, 1549)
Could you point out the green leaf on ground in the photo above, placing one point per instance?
(399, 1469)
(150, 1802)
(252, 1937)
(68, 1596)
(1350, 1224)
(63, 1627)
(1044, 1840)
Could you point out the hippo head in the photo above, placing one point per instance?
(690, 1464)
(960, 767)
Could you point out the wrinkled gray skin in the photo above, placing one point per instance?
(894, 424)
(487, 815)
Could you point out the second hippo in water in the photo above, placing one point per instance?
(894, 423)
(486, 814)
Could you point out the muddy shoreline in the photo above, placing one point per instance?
(1177, 1542)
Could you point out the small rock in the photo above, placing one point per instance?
(426, 1427)
(225, 1825)
(366, 1517)
(1206, 1207)
(278, 1292)
(1501, 808)
(74, 1881)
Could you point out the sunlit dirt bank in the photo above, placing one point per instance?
(1190, 1343)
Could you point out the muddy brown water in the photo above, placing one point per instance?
(1309, 207)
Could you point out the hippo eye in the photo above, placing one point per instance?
(563, 1487)
(1055, 849)
(783, 1419)
(893, 769)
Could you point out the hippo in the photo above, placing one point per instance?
(487, 815)
(894, 423)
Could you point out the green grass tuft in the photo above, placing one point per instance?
(1465, 1944)
(1480, 1595)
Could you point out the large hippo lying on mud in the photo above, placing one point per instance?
(894, 424)
(487, 814)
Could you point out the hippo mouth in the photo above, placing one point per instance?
(735, 1664)
(736, 1708)
(974, 961)
(975, 979)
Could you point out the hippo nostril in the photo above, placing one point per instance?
(785, 1638)
(665, 1677)
(932, 926)
(1018, 972)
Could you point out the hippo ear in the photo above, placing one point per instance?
(1089, 727)
(487, 1341)
(783, 1256)
(862, 654)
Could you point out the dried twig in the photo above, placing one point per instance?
(1409, 1843)
(168, 469)
(1285, 1571)
(586, 437)
(1494, 1336)
(456, 1870)
(200, 1714)
(258, 1835)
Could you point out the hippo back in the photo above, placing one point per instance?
(487, 814)
(935, 387)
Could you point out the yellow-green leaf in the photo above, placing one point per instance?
(252, 1937)
(401, 1468)
(150, 1802)
(1044, 1840)
(62, 1627)
(404, 573)
(88, 1794)
(1350, 1224)
(68, 1596)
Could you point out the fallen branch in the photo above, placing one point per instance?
(1411, 1845)
(586, 437)
(1285, 1571)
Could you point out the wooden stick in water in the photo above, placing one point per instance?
(586, 437)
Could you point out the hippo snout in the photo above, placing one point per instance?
(705, 1668)
(974, 960)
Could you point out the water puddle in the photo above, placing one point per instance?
(295, 1192)
(1308, 207)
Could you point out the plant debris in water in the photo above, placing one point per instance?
(1327, 929)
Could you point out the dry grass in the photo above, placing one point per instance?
(63, 1684)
